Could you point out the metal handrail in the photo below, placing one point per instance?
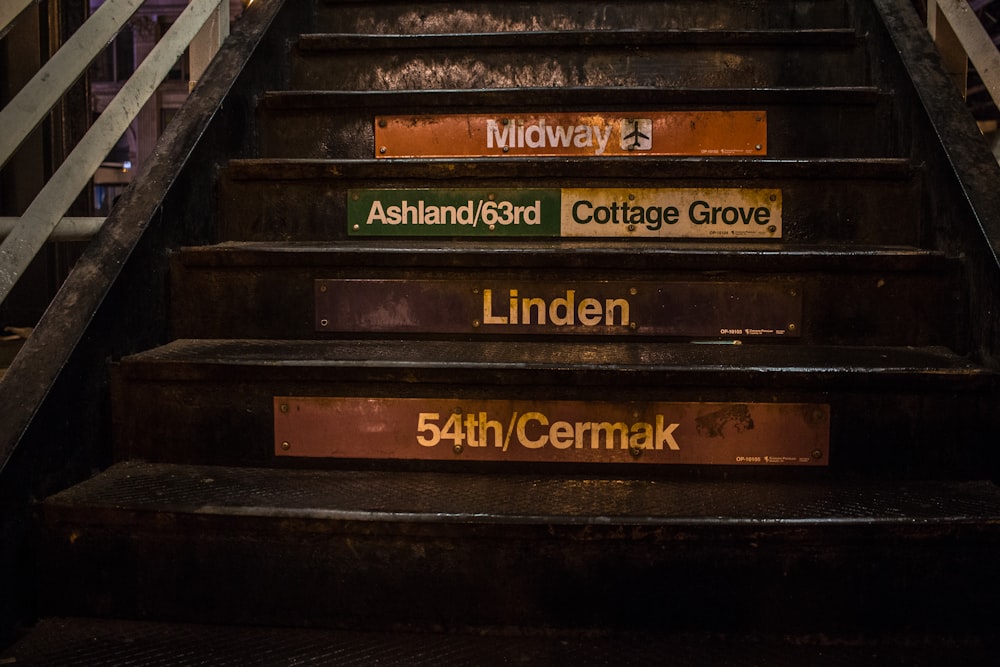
(44, 214)
(973, 41)
(10, 11)
(51, 82)
(69, 229)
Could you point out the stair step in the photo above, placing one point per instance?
(372, 549)
(827, 294)
(648, 256)
(535, 39)
(464, 361)
(842, 121)
(823, 200)
(614, 363)
(579, 58)
(437, 17)
(547, 97)
(894, 411)
(69, 642)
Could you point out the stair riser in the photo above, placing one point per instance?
(746, 578)
(735, 67)
(475, 17)
(225, 415)
(802, 130)
(830, 208)
(281, 301)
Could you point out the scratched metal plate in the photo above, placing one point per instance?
(573, 134)
(767, 434)
(770, 309)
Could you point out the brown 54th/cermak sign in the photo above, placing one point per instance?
(573, 134)
(469, 429)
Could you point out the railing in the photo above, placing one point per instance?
(961, 38)
(202, 25)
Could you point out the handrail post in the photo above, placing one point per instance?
(207, 42)
(956, 60)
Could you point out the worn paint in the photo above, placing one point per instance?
(572, 134)
(444, 429)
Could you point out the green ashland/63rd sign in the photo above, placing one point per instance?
(724, 213)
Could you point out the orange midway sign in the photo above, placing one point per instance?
(453, 429)
(573, 134)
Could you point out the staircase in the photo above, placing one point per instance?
(456, 370)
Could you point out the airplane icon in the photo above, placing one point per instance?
(639, 138)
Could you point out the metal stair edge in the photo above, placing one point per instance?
(602, 502)
(65, 642)
(320, 43)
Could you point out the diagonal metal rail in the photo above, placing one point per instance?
(10, 10)
(33, 102)
(55, 198)
(976, 43)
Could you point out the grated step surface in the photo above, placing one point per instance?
(455, 498)
(600, 363)
(376, 550)
(69, 642)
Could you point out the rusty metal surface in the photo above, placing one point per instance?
(573, 134)
(475, 17)
(441, 429)
(530, 59)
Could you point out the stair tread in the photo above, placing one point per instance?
(590, 168)
(62, 642)
(507, 59)
(468, 498)
(396, 17)
(607, 253)
(534, 97)
(549, 39)
(845, 547)
(847, 120)
(602, 363)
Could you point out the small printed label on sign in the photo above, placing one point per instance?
(764, 434)
(568, 134)
(758, 309)
(644, 213)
